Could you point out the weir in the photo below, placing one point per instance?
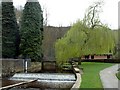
(44, 76)
(48, 80)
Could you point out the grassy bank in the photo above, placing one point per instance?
(91, 78)
(118, 75)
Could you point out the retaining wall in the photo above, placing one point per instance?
(10, 66)
(77, 73)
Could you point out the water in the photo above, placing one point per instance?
(6, 82)
(45, 81)
(44, 76)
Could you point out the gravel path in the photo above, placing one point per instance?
(109, 79)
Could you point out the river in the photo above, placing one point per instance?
(45, 81)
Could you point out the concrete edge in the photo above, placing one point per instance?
(78, 81)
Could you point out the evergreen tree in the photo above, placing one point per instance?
(31, 31)
(10, 32)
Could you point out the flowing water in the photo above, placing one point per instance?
(45, 81)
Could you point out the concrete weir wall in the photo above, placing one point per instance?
(10, 66)
(47, 80)
(77, 73)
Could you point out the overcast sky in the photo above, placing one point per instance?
(66, 12)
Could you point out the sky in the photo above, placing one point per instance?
(67, 12)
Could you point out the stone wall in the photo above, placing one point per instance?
(77, 73)
(10, 66)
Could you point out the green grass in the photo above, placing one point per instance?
(91, 78)
(118, 75)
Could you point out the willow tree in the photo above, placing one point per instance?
(81, 40)
(86, 37)
(10, 32)
(31, 31)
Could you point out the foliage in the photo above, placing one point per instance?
(91, 78)
(118, 75)
(10, 32)
(116, 49)
(85, 37)
(0, 31)
(31, 31)
(81, 40)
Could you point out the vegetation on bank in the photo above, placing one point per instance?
(90, 76)
(118, 75)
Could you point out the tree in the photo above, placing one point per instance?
(91, 18)
(18, 12)
(10, 31)
(76, 43)
(86, 37)
(0, 30)
(31, 31)
(46, 13)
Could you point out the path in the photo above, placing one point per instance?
(109, 79)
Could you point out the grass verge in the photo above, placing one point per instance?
(118, 75)
(91, 78)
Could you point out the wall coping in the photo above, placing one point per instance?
(78, 78)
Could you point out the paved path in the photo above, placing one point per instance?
(108, 77)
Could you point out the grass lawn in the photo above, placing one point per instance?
(118, 75)
(90, 77)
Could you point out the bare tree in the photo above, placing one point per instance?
(18, 12)
(91, 18)
(46, 15)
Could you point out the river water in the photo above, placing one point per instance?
(45, 81)
(6, 82)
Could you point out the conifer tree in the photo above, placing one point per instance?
(10, 32)
(31, 31)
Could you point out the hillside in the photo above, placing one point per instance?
(51, 34)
